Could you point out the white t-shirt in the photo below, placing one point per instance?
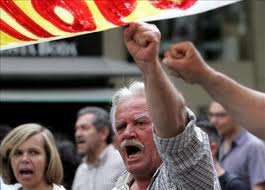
(4, 186)
(58, 187)
(55, 187)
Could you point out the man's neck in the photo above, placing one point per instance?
(232, 134)
(229, 138)
(140, 183)
(93, 155)
(143, 181)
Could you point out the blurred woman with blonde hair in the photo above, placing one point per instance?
(28, 155)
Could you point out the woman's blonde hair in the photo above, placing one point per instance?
(54, 170)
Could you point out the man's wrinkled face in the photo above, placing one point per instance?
(135, 136)
(86, 134)
(220, 119)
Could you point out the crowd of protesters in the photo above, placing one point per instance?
(157, 142)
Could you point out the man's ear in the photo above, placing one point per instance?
(104, 133)
(214, 149)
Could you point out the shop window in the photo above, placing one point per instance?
(219, 34)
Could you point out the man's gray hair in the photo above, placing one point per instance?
(102, 119)
(136, 88)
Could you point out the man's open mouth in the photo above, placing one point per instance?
(132, 148)
(80, 141)
(132, 151)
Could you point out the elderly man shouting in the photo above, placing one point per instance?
(160, 145)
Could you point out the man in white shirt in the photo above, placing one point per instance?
(102, 163)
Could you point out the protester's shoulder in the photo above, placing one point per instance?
(58, 187)
(81, 167)
(114, 159)
(9, 187)
(123, 179)
(112, 150)
(254, 142)
(4, 186)
(113, 153)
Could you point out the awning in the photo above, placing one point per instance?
(64, 67)
(43, 69)
(62, 95)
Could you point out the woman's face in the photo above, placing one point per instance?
(29, 161)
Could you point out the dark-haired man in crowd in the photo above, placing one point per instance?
(102, 163)
(227, 180)
(240, 152)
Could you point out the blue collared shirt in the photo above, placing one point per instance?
(246, 158)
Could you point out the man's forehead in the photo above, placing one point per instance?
(86, 118)
(132, 107)
(216, 107)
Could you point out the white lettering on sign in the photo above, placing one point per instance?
(44, 49)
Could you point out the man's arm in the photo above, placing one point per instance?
(245, 105)
(165, 103)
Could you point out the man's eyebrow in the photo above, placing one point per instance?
(141, 116)
(135, 118)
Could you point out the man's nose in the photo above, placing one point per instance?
(214, 121)
(129, 131)
(77, 132)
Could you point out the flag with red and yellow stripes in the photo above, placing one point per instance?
(24, 22)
